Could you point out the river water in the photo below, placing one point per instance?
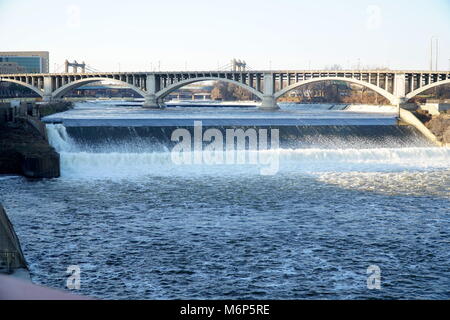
(141, 227)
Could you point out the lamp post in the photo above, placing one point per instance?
(437, 51)
(431, 53)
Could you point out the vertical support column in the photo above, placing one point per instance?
(268, 101)
(150, 98)
(400, 90)
(258, 82)
(280, 81)
(39, 83)
(400, 85)
(47, 88)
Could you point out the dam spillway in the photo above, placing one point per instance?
(97, 139)
(299, 125)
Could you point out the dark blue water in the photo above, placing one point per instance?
(280, 237)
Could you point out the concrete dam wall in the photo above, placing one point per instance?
(157, 139)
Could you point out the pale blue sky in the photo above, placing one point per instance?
(291, 34)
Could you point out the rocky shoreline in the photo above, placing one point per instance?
(24, 149)
(439, 125)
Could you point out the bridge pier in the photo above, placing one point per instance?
(151, 102)
(48, 89)
(269, 102)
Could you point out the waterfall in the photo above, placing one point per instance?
(58, 138)
(110, 152)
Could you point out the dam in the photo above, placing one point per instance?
(130, 134)
(353, 189)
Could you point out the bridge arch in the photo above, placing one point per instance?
(164, 92)
(33, 88)
(58, 93)
(392, 99)
(414, 93)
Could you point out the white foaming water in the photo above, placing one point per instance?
(8, 177)
(308, 161)
(58, 137)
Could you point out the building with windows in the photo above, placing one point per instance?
(10, 67)
(30, 61)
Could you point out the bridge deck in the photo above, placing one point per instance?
(223, 71)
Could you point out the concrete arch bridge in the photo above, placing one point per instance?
(396, 86)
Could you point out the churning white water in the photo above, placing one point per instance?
(75, 161)
(58, 138)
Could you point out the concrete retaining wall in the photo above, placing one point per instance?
(11, 255)
(435, 108)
